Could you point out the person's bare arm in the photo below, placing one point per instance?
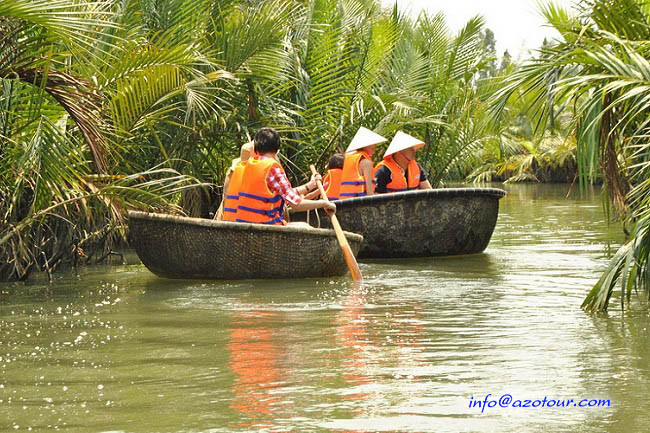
(309, 189)
(307, 204)
(312, 195)
(365, 166)
(425, 185)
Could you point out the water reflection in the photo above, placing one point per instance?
(254, 359)
(619, 360)
(352, 334)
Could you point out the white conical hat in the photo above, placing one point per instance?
(402, 141)
(364, 137)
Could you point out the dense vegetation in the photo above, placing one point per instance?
(141, 104)
(599, 70)
(112, 105)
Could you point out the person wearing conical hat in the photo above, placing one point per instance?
(399, 171)
(357, 176)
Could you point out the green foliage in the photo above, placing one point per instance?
(56, 201)
(600, 70)
(518, 152)
(106, 106)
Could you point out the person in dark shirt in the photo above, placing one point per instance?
(399, 171)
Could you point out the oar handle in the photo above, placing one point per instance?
(353, 266)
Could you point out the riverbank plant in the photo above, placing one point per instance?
(519, 149)
(599, 68)
(64, 183)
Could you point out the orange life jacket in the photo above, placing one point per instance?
(352, 182)
(333, 177)
(398, 182)
(231, 197)
(257, 203)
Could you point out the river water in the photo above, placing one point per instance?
(114, 348)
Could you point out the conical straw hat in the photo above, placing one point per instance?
(402, 141)
(364, 137)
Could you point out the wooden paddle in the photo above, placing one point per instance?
(353, 266)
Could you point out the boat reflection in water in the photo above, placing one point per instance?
(376, 345)
(352, 334)
(254, 359)
(378, 355)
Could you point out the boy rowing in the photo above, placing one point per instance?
(262, 186)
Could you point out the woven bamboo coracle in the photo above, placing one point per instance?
(423, 223)
(179, 247)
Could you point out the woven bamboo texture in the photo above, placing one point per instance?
(426, 223)
(179, 247)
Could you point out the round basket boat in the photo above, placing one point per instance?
(423, 223)
(179, 247)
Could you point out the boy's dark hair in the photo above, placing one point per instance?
(336, 161)
(267, 140)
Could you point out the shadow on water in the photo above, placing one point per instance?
(270, 292)
(474, 264)
(617, 358)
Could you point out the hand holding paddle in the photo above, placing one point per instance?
(353, 266)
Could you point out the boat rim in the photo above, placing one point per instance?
(238, 226)
(418, 194)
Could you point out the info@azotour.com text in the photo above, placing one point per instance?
(507, 401)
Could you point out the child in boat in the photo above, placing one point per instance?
(264, 186)
(332, 180)
(228, 209)
(357, 175)
(399, 171)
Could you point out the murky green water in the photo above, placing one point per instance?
(117, 349)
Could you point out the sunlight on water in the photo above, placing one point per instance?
(117, 349)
